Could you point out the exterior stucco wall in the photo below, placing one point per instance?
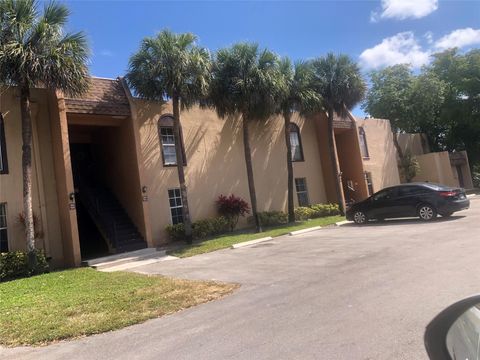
(436, 168)
(216, 165)
(417, 144)
(382, 160)
(45, 201)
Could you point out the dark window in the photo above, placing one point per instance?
(411, 190)
(3, 148)
(296, 142)
(384, 194)
(167, 141)
(368, 179)
(302, 192)
(176, 206)
(363, 142)
(3, 228)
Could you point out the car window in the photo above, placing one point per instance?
(411, 190)
(383, 195)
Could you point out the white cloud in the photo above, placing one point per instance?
(106, 52)
(404, 9)
(459, 38)
(402, 48)
(429, 37)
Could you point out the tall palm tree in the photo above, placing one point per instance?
(35, 52)
(172, 66)
(246, 81)
(339, 81)
(298, 95)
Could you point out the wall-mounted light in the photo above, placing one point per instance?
(71, 196)
(144, 189)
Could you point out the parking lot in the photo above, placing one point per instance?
(347, 292)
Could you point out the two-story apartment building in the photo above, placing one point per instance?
(104, 167)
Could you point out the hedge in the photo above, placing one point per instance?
(200, 229)
(14, 265)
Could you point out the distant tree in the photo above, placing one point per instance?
(298, 96)
(246, 80)
(36, 52)
(339, 82)
(172, 66)
(389, 97)
(409, 166)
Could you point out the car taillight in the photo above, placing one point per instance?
(448, 193)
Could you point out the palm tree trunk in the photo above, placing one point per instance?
(250, 178)
(333, 159)
(290, 206)
(187, 222)
(27, 175)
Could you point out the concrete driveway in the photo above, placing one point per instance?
(339, 293)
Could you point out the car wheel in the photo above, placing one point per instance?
(426, 212)
(359, 217)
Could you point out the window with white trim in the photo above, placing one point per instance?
(3, 148)
(176, 205)
(168, 146)
(3, 228)
(302, 192)
(363, 142)
(296, 143)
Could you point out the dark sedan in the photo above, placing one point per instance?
(425, 200)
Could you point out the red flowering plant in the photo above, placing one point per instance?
(232, 207)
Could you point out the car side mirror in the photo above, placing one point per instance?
(455, 332)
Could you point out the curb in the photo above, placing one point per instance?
(251, 242)
(297, 232)
(344, 222)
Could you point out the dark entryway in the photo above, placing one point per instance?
(104, 226)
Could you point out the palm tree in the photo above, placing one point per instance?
(172, 66)
(246, 81)
(339, 82)
(35, 52)
(298, 95)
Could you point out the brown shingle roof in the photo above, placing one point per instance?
(105, 97)
(341, 122)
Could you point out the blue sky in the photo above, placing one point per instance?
(374, 33)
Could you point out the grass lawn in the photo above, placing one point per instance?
(228, 240)
(73, 303)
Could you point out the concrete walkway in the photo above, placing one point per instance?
(338, 293)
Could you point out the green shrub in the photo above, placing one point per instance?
(316, 211)
(14, 265)
(272, 218)
(200, 229)
(176, 232)
(304, 213)
(322, 210)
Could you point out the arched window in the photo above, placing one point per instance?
(167, 141)
(363, 142)
(296, 142)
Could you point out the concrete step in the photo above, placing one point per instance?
(136, 263)
(118, 259)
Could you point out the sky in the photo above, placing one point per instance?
(375, 33)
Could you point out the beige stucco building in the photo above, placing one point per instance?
(104, 167)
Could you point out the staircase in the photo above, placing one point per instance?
(111, 219)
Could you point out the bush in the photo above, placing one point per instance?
(200, 229)
(272, 218)
(304, 213)
(316, 211)
(476, 176)
(232, 207)
(14, 265)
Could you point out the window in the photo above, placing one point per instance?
(302, 192)
(386, 194)
(368, 179)
(363, 142)
(176, 206)
(296, 142)
(411, 190)
(3, 228)
(3, 148)
(167, 141)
